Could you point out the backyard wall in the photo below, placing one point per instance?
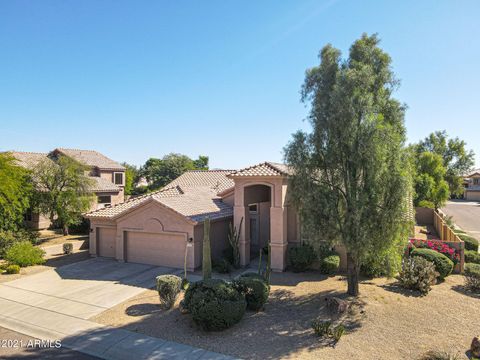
(424, 216)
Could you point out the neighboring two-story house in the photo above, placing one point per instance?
(108, 177)
(472, 186)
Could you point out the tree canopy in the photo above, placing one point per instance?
(132, 176)
(351, 179)
(15, 192)
(431, 189)
(63, 191)
(457, 160)
(159, 172)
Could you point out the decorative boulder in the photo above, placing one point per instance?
(336, 306)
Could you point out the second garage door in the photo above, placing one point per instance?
(159, 249)
(106, 242)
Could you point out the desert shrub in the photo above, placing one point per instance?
(168, 287)
(214, 304)
(67, 248)
(12, 269)
(255, 289)
(8, 238)
(222, 266)
(330, 264)
(321, 328)
(185, 284)
(470, 242)
(338, 332)
(472, 277)
(23, 254)
(417, 274)
(426, 204)
(301, 257)
(443, 264)
(472, 257)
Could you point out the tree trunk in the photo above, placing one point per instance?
(65, 230)
(352, 275)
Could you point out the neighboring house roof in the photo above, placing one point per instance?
(192, 195)
(263, 169)
(474, 172)
(103, 185)
(91, 158)
(29, 160)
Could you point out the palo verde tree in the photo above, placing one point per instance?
(351, 181)
(63, 191)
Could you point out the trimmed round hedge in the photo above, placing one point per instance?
(301, 257)
(214, 304)
(168, 287)
(470, 242)
(472, 257)
(330, 264)
(442, 263)
(255, 289)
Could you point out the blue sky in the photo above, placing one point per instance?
(140, 79)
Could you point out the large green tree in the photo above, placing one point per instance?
(431, 189)
(15, 191)
(159, 172)
(351, 180)
(63, 191)
(457, 159)
(132, 176)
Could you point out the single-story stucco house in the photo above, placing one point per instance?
(157, 228)
(108, 178)
(472, 186)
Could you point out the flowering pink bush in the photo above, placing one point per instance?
(439, 246)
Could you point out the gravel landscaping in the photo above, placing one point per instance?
(384, 323)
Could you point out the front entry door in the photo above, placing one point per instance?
(254, 228)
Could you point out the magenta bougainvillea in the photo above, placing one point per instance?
(439, 246)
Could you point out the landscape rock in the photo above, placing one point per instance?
(475, 347)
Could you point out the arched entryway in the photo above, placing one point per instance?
(257, 201)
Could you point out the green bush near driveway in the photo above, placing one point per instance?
(301, 257)
(470, 242)
(12, 269)
(168, 287)
(24, 254)
(214, 304)
(255, 289)
(443, 264)
(8, 238)
(472, 256)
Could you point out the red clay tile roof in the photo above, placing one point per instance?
(192, 195)
(91, 158)
(263, 169)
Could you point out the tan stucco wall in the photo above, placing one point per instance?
(151, 218)
(38, 222)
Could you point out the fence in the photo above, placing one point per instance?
(445, 233)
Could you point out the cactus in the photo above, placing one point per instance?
(234, 239)
(260, 262)
(207, 255)
(269, 269)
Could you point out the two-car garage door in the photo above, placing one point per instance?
(162, 249)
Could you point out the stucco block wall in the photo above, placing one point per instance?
(424, 216)
(38, 222)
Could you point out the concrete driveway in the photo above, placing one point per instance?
(466, 214)
(83, 289)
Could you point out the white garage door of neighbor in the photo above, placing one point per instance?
(106, 242)
(161, 249)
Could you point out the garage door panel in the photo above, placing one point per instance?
(473, 195)
(161, 249)
(106, 242)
